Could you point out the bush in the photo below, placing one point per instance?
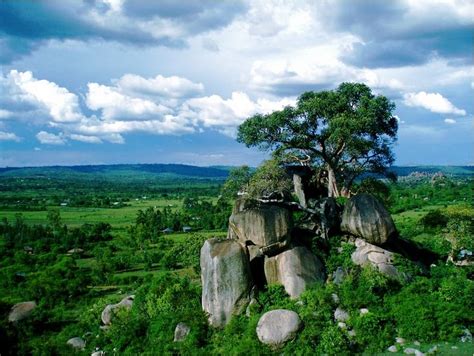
(434, 218)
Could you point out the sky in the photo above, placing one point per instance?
(138, 81)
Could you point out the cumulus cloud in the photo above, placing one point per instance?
(9, 136)
(168, 87)
(433, 102)
(226, 114)
(83, 138)
(117, 106)
(50, 138)
(449, 121)
(60, 104)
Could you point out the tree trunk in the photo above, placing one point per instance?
(333, 190)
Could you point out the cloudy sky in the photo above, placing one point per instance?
(136, 81)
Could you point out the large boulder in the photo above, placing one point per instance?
(295, 269)
(226, 280)
(364, 216)
(277, 327)
(381, 259)
(261, 226)
(109, 311)
(21, 311)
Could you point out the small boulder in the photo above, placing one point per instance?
(341, 315)
(412, 351)
(226, 280)
(21, 311)
(277, 327)
(364, 216)
(109, 311)
(392, 348)
(363, 311)
(76, 343)
(295, 269)
(263, 226)
(181, 332)
(381, 259)
(339, 275)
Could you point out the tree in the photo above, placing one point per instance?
(238, 178)
(346, 132)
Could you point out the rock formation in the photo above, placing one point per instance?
(278, 326)
(109, 311)
(368, 254)
(76, 343)
(262, 226)
(365, 217)
(294, 269)
(21, 311)
(226, 280)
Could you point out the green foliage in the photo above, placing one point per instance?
(334, 341)
(349, 131)
(434, 218)
(237, 180)
(269, 178)
(340, 258)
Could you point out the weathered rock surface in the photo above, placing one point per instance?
(226, 280)
(341, 315)
(295, 269)
(21, 311)
(378, 257)
(181, 332)
(76, 343)
(109, 311)
(364, 216)
(278, 326)
(262, 226)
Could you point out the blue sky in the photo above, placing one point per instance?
(122, 81)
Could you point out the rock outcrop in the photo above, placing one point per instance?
(21, 311)
(277, 327)
(365, 217)
(226, 280)
(379, 258)
(262, 226)
(295, 269)
(109, 311)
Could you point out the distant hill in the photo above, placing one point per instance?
(165, 170)
(172, 171)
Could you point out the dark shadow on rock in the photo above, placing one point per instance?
(258, 272)
(411, 250)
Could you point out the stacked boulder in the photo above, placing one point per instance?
(367, 219)
(258, 250)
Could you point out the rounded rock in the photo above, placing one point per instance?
(278, 326)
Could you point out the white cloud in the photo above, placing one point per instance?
(61, 105)
(50, 139)
(84, 138)
(5, 114)
(169, 87)
(449, 121)
(226, 114)
(433, 102)
(9, 136)
(117, 106)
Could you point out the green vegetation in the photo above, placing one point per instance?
(121, 250)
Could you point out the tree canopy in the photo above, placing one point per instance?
(347, 132)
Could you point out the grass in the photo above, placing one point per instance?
(74, 217)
